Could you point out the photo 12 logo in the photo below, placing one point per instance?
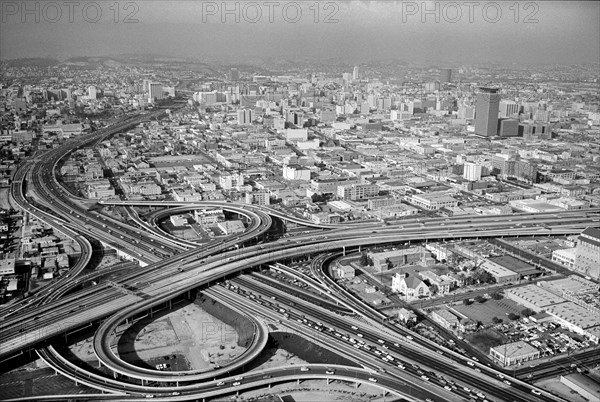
(253, 12)
(69, 11)
(453, 12)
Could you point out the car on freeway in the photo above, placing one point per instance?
(235, 384)
(536, 392)
(220, 383)
(330, 372)
(239, 378)
(372, 379)
(304, 369)
(507, 382)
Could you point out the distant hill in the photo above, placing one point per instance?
(34, 61)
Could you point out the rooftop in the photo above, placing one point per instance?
(514, 264)
(515, 349)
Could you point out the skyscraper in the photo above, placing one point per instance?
(509, 108)
(445, 75)
(155, 90)
(234, 74)
(245, 116)
(92, 92)
(355, 73)
(472, 171)
(486, 112)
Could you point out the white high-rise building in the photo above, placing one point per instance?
(155, 91)
(245, 116)
(92, 92)
(472, 171)
(509, 108)
(355, 73)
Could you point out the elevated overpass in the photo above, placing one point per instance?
(191, 205)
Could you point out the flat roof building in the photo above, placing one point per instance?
(499, 272)
(514, 353)
(516, 265)
(583, 385)
(533, 297)
(575, 317)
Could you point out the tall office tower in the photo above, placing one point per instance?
(67, 94)
(355, 73)
(486, 112)
(472, 171)
(155, 90)
(245, 116)
(92, 93)
(445, 75)
(509, 108)
(234, 74)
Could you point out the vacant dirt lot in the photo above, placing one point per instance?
(187, 331)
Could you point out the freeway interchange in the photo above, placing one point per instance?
(169, 270)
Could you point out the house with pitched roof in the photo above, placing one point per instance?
(411, 286)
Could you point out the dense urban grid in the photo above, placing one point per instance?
(380, 231)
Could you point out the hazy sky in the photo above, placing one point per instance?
(357, 31)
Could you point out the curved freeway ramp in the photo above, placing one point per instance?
(106, 356)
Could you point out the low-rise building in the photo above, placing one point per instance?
(533, 297)
(514, 353)
(445, 318)
(345, 271)
(501, 274)
(394, 258)
(231, 227)
(566, 257)
(433, 201)
(412, 287)
(583, 385)
(406, 315)
(442, 286)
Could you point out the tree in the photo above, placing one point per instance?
(467, 302)
(480, 299)
(497, 320)
(497, 296)
(513, 316)
(364, 260)
(527, 312)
